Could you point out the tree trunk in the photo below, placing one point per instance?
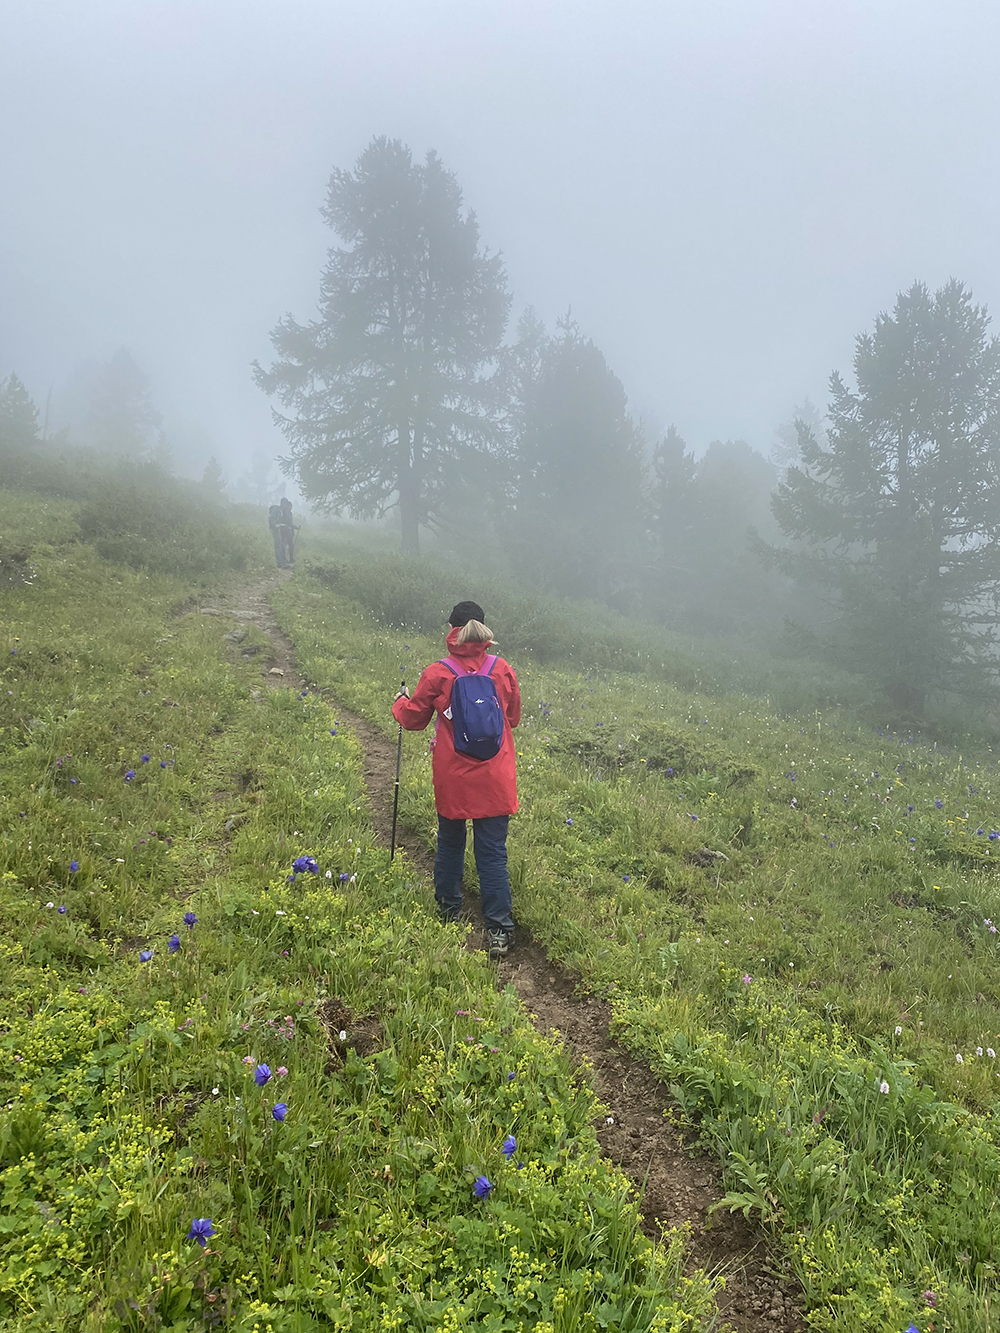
(409, 493)
(409, 521)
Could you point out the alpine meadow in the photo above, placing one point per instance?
(500, 780)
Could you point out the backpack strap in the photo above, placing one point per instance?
(457, 669)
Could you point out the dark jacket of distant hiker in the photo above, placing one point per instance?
(466, 788)
(274, 523)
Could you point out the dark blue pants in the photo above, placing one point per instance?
(489, 843)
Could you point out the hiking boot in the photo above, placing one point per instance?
(450, 916)
(498, 942)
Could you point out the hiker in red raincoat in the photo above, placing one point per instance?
(465, 786)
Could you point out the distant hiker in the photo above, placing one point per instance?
(478, 704)
(273, 522)
(287, 530)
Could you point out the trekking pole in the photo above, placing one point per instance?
(395, 794)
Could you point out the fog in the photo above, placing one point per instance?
(724, 194)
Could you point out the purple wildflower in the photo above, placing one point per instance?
(174, 943)
(130, 775)
(509, 1146)
(145, 955)
(481, 1187)
(201, 1230)
(262, 1075)
(190, 920)
(279, 1110)
(74, 866)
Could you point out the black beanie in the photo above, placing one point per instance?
(464, 612)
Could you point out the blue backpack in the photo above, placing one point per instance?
(475, 712)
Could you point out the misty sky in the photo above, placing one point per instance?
(725, 193)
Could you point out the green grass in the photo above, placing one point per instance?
(128, 1102)
(823, 1002)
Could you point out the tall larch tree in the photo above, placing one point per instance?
(897, 513)
(387, 396)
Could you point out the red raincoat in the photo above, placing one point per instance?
(466, 788)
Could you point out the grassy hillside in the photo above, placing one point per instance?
(794, 917)
(302, 1069)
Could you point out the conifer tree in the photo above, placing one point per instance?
(18, 417)
(674, 500)
(122, 417)
(579, 523)
(898, 511)
(213, 481)
(385, 394)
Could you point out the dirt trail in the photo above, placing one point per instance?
(677, 1184)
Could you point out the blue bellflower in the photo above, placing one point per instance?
(262, 1075)
(130, 775)
(509, 1146)
(201, 1230)
(174, 943)
(279, 1110)
(302, 864)
(481, 1187)
(190, 920)
(145, 955)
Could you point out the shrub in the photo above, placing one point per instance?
(149, 521)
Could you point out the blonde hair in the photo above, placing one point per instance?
(474, 631)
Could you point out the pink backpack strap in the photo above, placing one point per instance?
(457, 669)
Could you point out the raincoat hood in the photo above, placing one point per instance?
(471, 655)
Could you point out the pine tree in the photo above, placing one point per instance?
(18, 417)
(579, 524)
(386, 397)
(674, 502)
(785, 450)
(899, 510)
(122, 417)
(213, 482)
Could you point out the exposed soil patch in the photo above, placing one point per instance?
(677, 1184)
(15, 571)
(347, 1032)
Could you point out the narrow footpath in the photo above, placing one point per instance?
(677, 1184)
